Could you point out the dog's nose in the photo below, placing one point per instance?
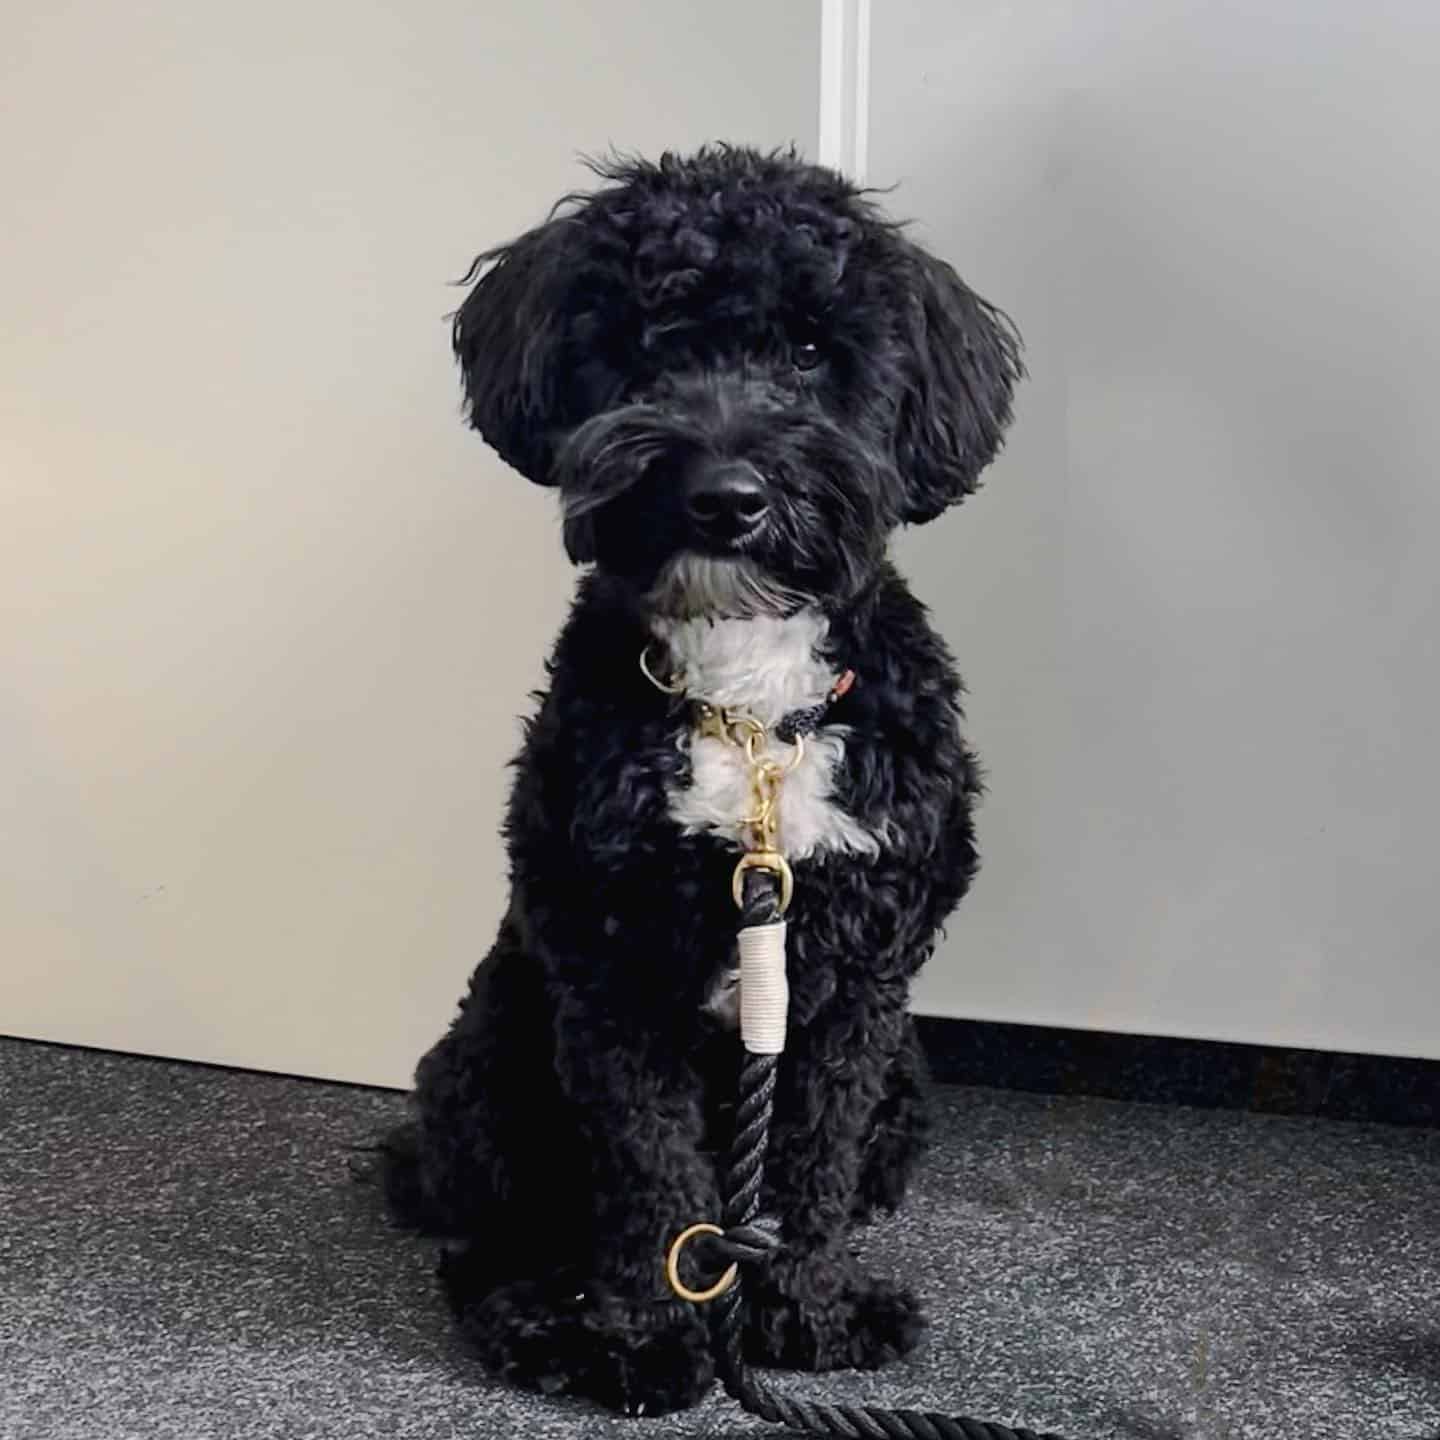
(726, 500)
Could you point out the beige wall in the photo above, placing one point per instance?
(267, 611)
(1198, 604)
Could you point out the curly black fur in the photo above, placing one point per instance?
(748, 308)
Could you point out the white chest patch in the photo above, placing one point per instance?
(768, 666)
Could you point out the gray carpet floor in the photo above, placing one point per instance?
(182, 1254)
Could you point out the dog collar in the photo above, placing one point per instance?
(811, 717)
(725, 722)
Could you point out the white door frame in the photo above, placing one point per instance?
(845, 86)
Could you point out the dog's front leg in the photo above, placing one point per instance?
(639, 1101)
(815, 1308)
(629, 1077)
(603, 1323)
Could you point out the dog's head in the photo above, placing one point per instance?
(740, 375)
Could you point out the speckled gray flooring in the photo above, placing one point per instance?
(182, 1255)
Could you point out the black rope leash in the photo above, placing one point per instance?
(746, 1238)
(749, 1239)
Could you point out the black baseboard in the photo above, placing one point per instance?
(1154, 1069)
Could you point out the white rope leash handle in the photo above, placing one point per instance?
(764, 989)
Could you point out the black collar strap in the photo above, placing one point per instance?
(804, 721)
(809, 719)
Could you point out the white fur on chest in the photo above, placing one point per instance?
(767, 666)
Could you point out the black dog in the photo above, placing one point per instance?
(742, 379)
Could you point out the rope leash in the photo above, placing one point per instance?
(762, 888)
(748, 1239)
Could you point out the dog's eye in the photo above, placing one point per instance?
(804, 354)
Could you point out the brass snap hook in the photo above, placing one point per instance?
(772, 861)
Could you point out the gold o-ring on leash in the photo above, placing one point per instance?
(672, 1268)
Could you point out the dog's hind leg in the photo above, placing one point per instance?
(486, 1154)
(398, 1171)
(900, 1133)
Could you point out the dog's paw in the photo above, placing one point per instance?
(560, 1340)
(647, 1360)
(824, 1313)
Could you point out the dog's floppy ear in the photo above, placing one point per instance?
(962, 363)
(510, 338)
